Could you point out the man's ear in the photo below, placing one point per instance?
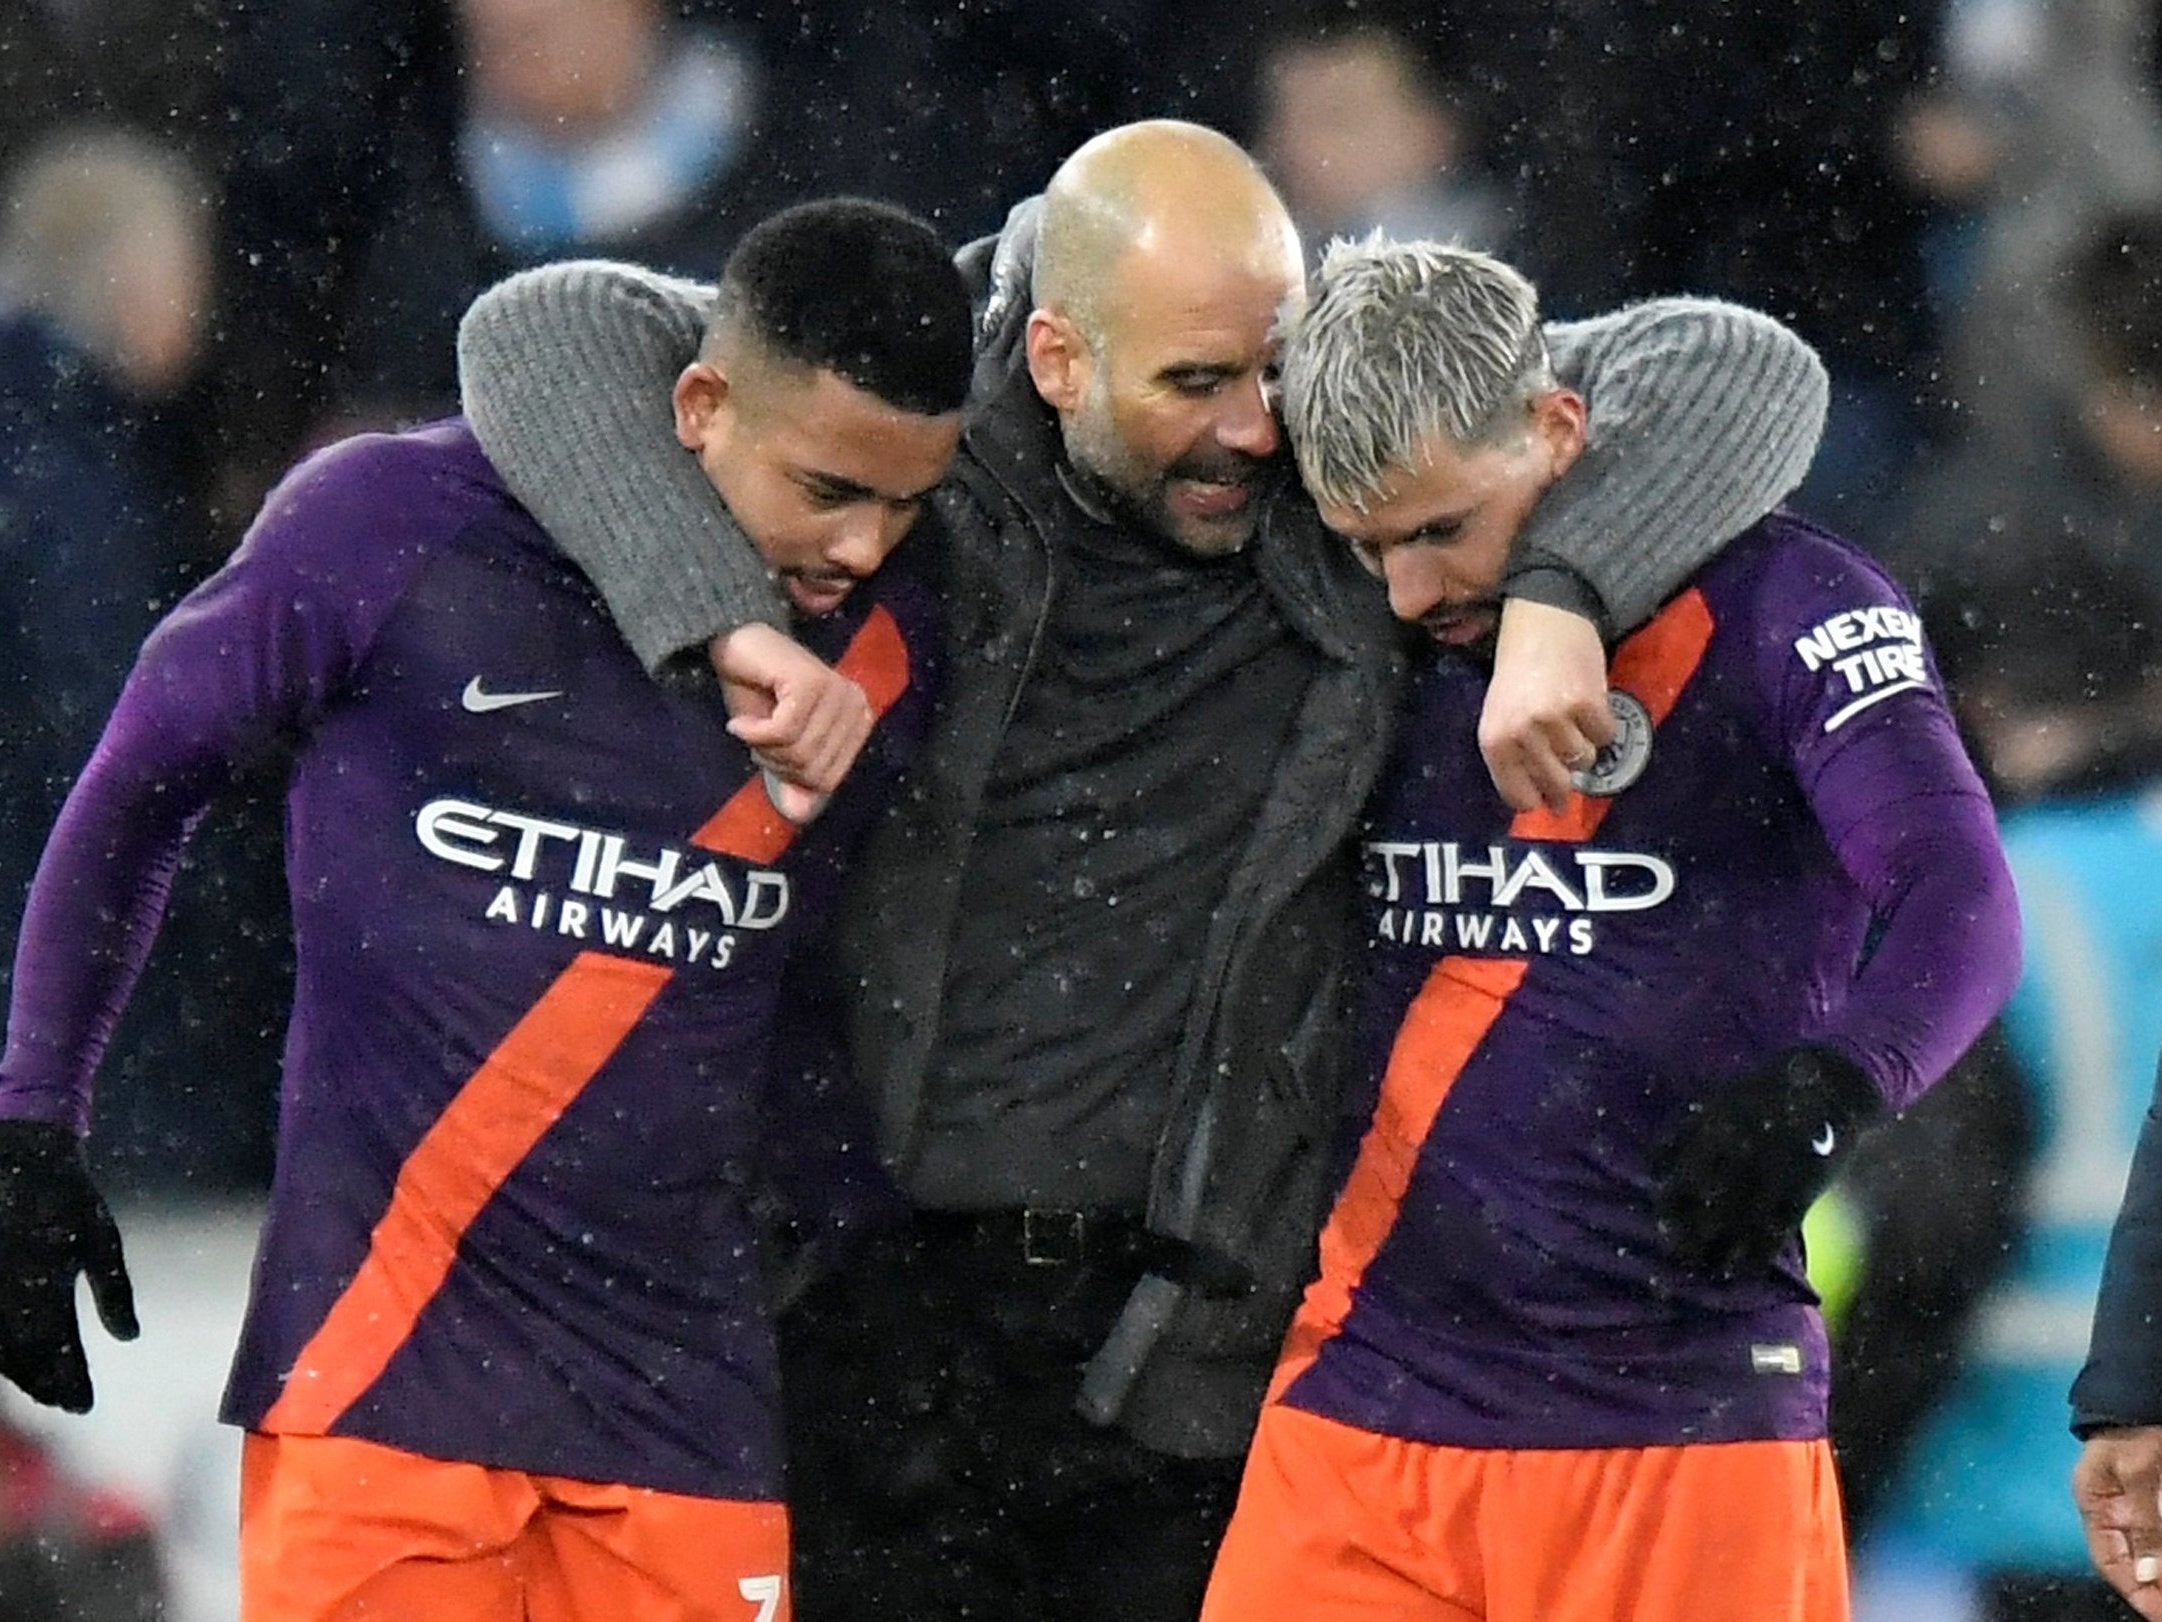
(1558, 417)
(701, 393)
(1058, 360)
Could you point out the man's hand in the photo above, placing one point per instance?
(1734, 1180)
(804, 721)
(1546, 712)
(2117, 1485)
(54, 1225)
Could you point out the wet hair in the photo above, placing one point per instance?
(1402, 341)
(858, 288)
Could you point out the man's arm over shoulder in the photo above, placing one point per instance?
(255, 653)
(567, 373)
(1703, 416)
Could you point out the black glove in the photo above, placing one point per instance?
(54, 1225)
(1734, 1179)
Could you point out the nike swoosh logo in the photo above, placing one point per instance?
(478, 702)
(1825, 1144)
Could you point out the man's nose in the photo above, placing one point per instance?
(1248, 426)
(861, 541)
(1412, 588)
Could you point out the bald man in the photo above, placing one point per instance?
(1152, 280)
(1090, 970)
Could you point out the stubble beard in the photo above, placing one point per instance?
(1138, 496)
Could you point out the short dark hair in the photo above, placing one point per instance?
(859, 288)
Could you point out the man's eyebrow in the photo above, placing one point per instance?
(1440, 526)
(834, 483)
(846, 489)
(1197, 369)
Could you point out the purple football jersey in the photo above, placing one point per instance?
(541, 912)
(1546, 994)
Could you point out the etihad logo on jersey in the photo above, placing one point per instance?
(1875, 652)
(1495, 899)
(586, 884)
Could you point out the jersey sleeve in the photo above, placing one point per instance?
(1859, 711)
(250, 657)
(1702, 417)
(2118, 1385)
(567, 372)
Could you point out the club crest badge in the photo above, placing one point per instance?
(1623, 761)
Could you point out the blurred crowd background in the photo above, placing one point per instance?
(233, 229)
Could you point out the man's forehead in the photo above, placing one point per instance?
(1167, 340)
(841, 430)
(1441, 483)
(1166, 285)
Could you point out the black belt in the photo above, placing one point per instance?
(1042, 1236)
(1056, 1237)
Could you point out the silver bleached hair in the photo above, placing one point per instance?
(1402, 341)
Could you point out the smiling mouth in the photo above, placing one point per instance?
(1214, 498)
(818, 594)
(1460, 626)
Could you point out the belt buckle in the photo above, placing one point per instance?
(1053, 1238)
